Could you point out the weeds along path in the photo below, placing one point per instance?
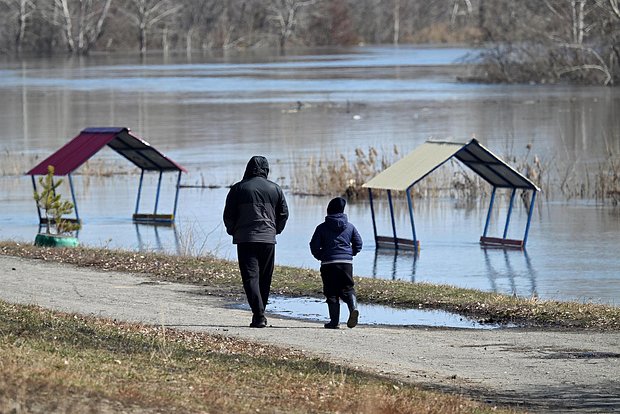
(543, 371)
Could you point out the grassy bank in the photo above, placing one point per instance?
(57, 362)
(222, 277)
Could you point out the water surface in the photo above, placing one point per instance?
(211, 113)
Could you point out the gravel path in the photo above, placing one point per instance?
(543, 371)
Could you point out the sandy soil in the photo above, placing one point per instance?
(542, 371)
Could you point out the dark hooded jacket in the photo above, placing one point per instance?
(335, 240)
(255, 208)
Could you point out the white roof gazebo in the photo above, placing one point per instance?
(405, 173)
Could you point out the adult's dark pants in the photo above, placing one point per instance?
(256, 262)
(338, 283)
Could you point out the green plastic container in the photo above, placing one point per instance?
(54, 240)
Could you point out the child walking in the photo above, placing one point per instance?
(334, 243)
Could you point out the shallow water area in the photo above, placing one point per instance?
(316, 310)
(210, 113)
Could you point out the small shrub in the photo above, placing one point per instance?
(53, 206)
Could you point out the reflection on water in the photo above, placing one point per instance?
(566, 256)
(405, 259)
(212, 113)
(497, 273)
(316, 310)
(157, 244)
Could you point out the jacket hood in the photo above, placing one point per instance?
(336, 205)
(337, 221)
(258, 166)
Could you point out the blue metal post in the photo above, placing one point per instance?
(77, 216)
(157, 195)
(486, 226)
(34, 186)
(139, 192)
(529, 217)
(176, 197)
(512, 199)
(415, 239)
(389, 193)
(372, 214)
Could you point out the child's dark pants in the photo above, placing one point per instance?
(338, 283)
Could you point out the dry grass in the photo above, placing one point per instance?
(57, 362)
(339, 175)
(608, 181)
(17, 164)
(444, 33)
(222, 277)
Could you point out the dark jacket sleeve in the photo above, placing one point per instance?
(315, 244)
(230, 213)
(356, 241)
(281, 212)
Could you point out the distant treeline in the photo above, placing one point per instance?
(534, 40)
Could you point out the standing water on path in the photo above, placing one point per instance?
(316, 310)
(211, 113)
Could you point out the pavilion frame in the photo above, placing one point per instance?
(77, 151)
(404, 174)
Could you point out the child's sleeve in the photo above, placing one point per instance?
(315, 244)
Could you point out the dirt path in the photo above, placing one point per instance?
(544, 371)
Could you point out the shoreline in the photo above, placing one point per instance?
(220, 277)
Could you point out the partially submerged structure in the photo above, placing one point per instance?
(139, 152)
(405, 173)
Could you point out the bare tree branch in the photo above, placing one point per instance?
(284, 15)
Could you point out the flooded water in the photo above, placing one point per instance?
(316, 309)
(211, 113)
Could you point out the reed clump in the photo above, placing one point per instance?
(343, 176)
(608, 181)
(339, 175)
(16, 164)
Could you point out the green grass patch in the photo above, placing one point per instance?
(222, 277)
(57, 362)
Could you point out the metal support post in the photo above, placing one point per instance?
(389, 193)
(176, 196)
(75, 208)
(415, 239)
(157, 195)
(529, 217)
(139, 192)
(372, 214)
(486, 225)
(512, 199)
(34, 186)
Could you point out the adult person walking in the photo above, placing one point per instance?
(255, 212)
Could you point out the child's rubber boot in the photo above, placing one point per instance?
(334, 316)
(354, 313)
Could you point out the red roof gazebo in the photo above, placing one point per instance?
(81, 148)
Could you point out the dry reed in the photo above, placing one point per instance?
(339, 175)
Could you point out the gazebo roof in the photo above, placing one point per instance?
(432, 154)
(77, 151)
